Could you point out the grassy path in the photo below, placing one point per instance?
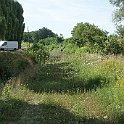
(54, 94)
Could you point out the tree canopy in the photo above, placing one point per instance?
(85, 33)
(119, 13)
(120, 31)
(11, 20)
(42, 34)
(45, 35)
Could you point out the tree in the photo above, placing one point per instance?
(11, 20)
(88, 34)
(27, 37)
(46, 35)
(119, 17)
(2, 28)
(114, 45)
(120, 31)
(43, 33)
(119, 13)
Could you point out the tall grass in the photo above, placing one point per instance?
(12, 64)
(74, 89)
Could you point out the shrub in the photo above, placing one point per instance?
(38, 53)
(11, 64)
(84, 49)
(70, 48)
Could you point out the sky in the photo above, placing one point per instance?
(61, 16)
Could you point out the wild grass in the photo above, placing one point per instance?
(12, 64)
(74, 89)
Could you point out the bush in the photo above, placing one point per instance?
(38, 53)
(11, 64)
(114, 45)
(84, 49)
(70, 48)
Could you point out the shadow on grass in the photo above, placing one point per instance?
(95, 82)
(18, 112)
(61, 78)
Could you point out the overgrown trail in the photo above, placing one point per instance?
(57, 77)
(56, 93)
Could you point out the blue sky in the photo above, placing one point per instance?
(62, 15)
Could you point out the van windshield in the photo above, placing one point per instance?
(4, 44)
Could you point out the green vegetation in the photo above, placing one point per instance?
(11, 64)
(87, 34)
(119, 13)
(69, 88)
(41, 34)
(11, 20)
(52, 80)
(67, 82)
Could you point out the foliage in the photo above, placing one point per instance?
(55, 93)
(84, 84)
(114, 45)
(76, 72)
(49, 41)
(38, 53)
(9, 108)
(11, 65)
(84, 49)
(69, 48)
(27, 37)
(119, 13)
(2, 28)
(88, 34)
(120, 31)
(42, 34)
(11, 20)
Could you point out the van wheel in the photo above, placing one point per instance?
(14, 49)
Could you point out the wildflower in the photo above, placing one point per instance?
(105, 117)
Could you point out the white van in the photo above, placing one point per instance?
(8, 45)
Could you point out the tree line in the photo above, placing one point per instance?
(83, 34)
